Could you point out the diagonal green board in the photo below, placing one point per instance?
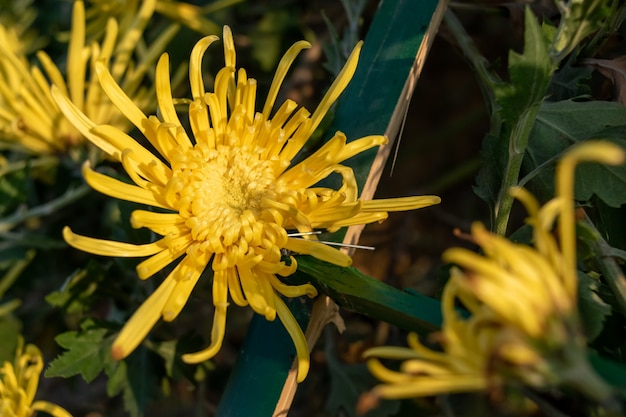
(365, 108)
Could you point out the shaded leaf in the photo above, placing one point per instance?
(593, 310)
(569, 82)
(10, 328)
(529, 72)
(562, 124)
(136, 379)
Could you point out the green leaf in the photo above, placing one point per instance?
(88, 351)
(593, 310)
(10, 328)
(562, 124)
(76, 294)
(569, 82)
(529, 72)
(362, 294)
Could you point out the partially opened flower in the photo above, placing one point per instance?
(523, 326)
(227, 194)
(18, 385)
(30, 119)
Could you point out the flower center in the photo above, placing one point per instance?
(220, 193)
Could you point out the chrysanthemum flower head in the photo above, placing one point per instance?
(226, 194)
(523, 326)
(30, 119)
(188, 14)
(18, 385)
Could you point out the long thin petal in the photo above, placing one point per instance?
(195, 66)
(52, 409)
(142, 321)
(118, 189)
(337, 87)
(400, 204)
(319, 251)
(119, 98)
(111, 248)
(299, 341)
(186, 273)
(220, 288)
(81, 122)
(279, 76)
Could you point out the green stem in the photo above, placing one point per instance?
(580, 376)
(70, 196)
(605, 257)
(43, 161)
(518, 141)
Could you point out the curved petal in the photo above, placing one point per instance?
(52, 409)
(279, 76)
(119, 98)
(81, 122)
(118, 189)
(299, 341)
(195, 66)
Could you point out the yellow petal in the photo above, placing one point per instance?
(400, 204)
(291, 291)
(279, 76)
(142, 321)
(217, 338)
(124, 103)
(176, 247)
(186, 273)
(337, 87)
(195, 66)
(319, 251)
(299, 341)
(118, 189)
(52, 409)
(110, 248)
(76, 63)
(81, 122)
(427, 386)
(261, 299)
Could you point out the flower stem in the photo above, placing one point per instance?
(611, 272)
(518, 141)
(71, 195)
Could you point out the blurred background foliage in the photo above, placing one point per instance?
(47, 289)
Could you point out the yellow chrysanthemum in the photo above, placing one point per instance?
(190, 15)
(228, 195)
(18, 386)
(16, 31)
(523, 325)
(31, 120)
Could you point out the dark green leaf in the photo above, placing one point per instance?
(569, 82)
(562, 124)
(362, 294)
(88, 351)
(593, 310)
(10, 328)
(529, 72)
(138, 386)
(489, 177)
